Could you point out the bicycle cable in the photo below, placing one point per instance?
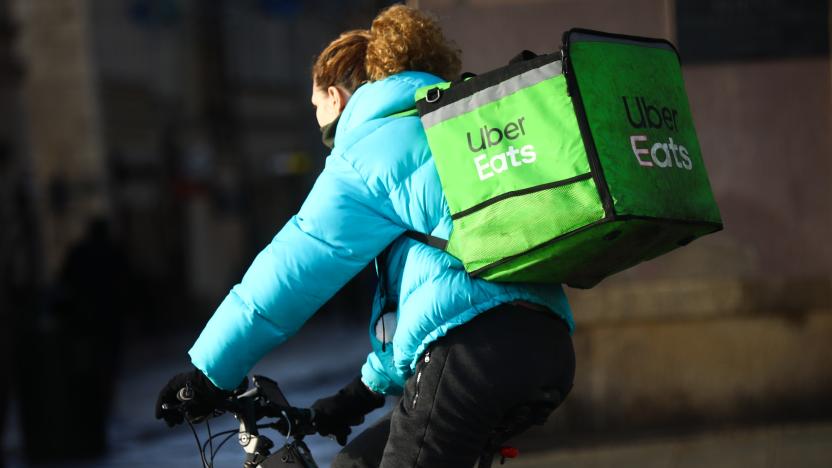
(207, 451)
(210, 441)
(198, 445)
(289, 422)
(228, 434)
(227, 438)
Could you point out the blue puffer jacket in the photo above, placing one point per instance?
(379, 182)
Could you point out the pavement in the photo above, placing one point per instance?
(805, 445)
(326, 355)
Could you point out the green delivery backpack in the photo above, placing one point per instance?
(569, 167)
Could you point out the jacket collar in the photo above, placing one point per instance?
(379, 99)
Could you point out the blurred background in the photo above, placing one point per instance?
(150, 148)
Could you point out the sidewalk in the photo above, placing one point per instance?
(790, 446)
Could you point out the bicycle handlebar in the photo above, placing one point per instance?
(263, 400)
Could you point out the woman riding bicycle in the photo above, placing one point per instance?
(464, 353)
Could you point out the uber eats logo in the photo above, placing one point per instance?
(644, 114)
(489, 165)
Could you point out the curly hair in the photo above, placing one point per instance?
(400, 38)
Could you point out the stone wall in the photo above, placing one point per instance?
(62, 122)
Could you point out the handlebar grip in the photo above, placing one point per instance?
(303, 420)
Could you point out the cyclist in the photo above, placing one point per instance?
(464, 353)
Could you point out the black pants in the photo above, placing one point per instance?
(484, 381)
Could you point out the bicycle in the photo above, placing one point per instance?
(265, 400)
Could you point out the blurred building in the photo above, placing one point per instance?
(15, 271)
(149, 149)
(187, 123)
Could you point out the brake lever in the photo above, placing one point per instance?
(248, 393)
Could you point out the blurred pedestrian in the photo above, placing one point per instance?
(467, 355)
(75, 327)
(94, 282)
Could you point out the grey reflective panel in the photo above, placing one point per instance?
(386, 327)
(493, 93)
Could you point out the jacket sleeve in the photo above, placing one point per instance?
(340, 228)
(378, 373)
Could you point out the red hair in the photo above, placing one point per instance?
(400, 38)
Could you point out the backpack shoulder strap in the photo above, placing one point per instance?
(405, 113)
(428, 239)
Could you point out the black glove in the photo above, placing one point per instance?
(334, 415)
(202, 397)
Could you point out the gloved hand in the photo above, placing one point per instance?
(203, 397)
(334, 415)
